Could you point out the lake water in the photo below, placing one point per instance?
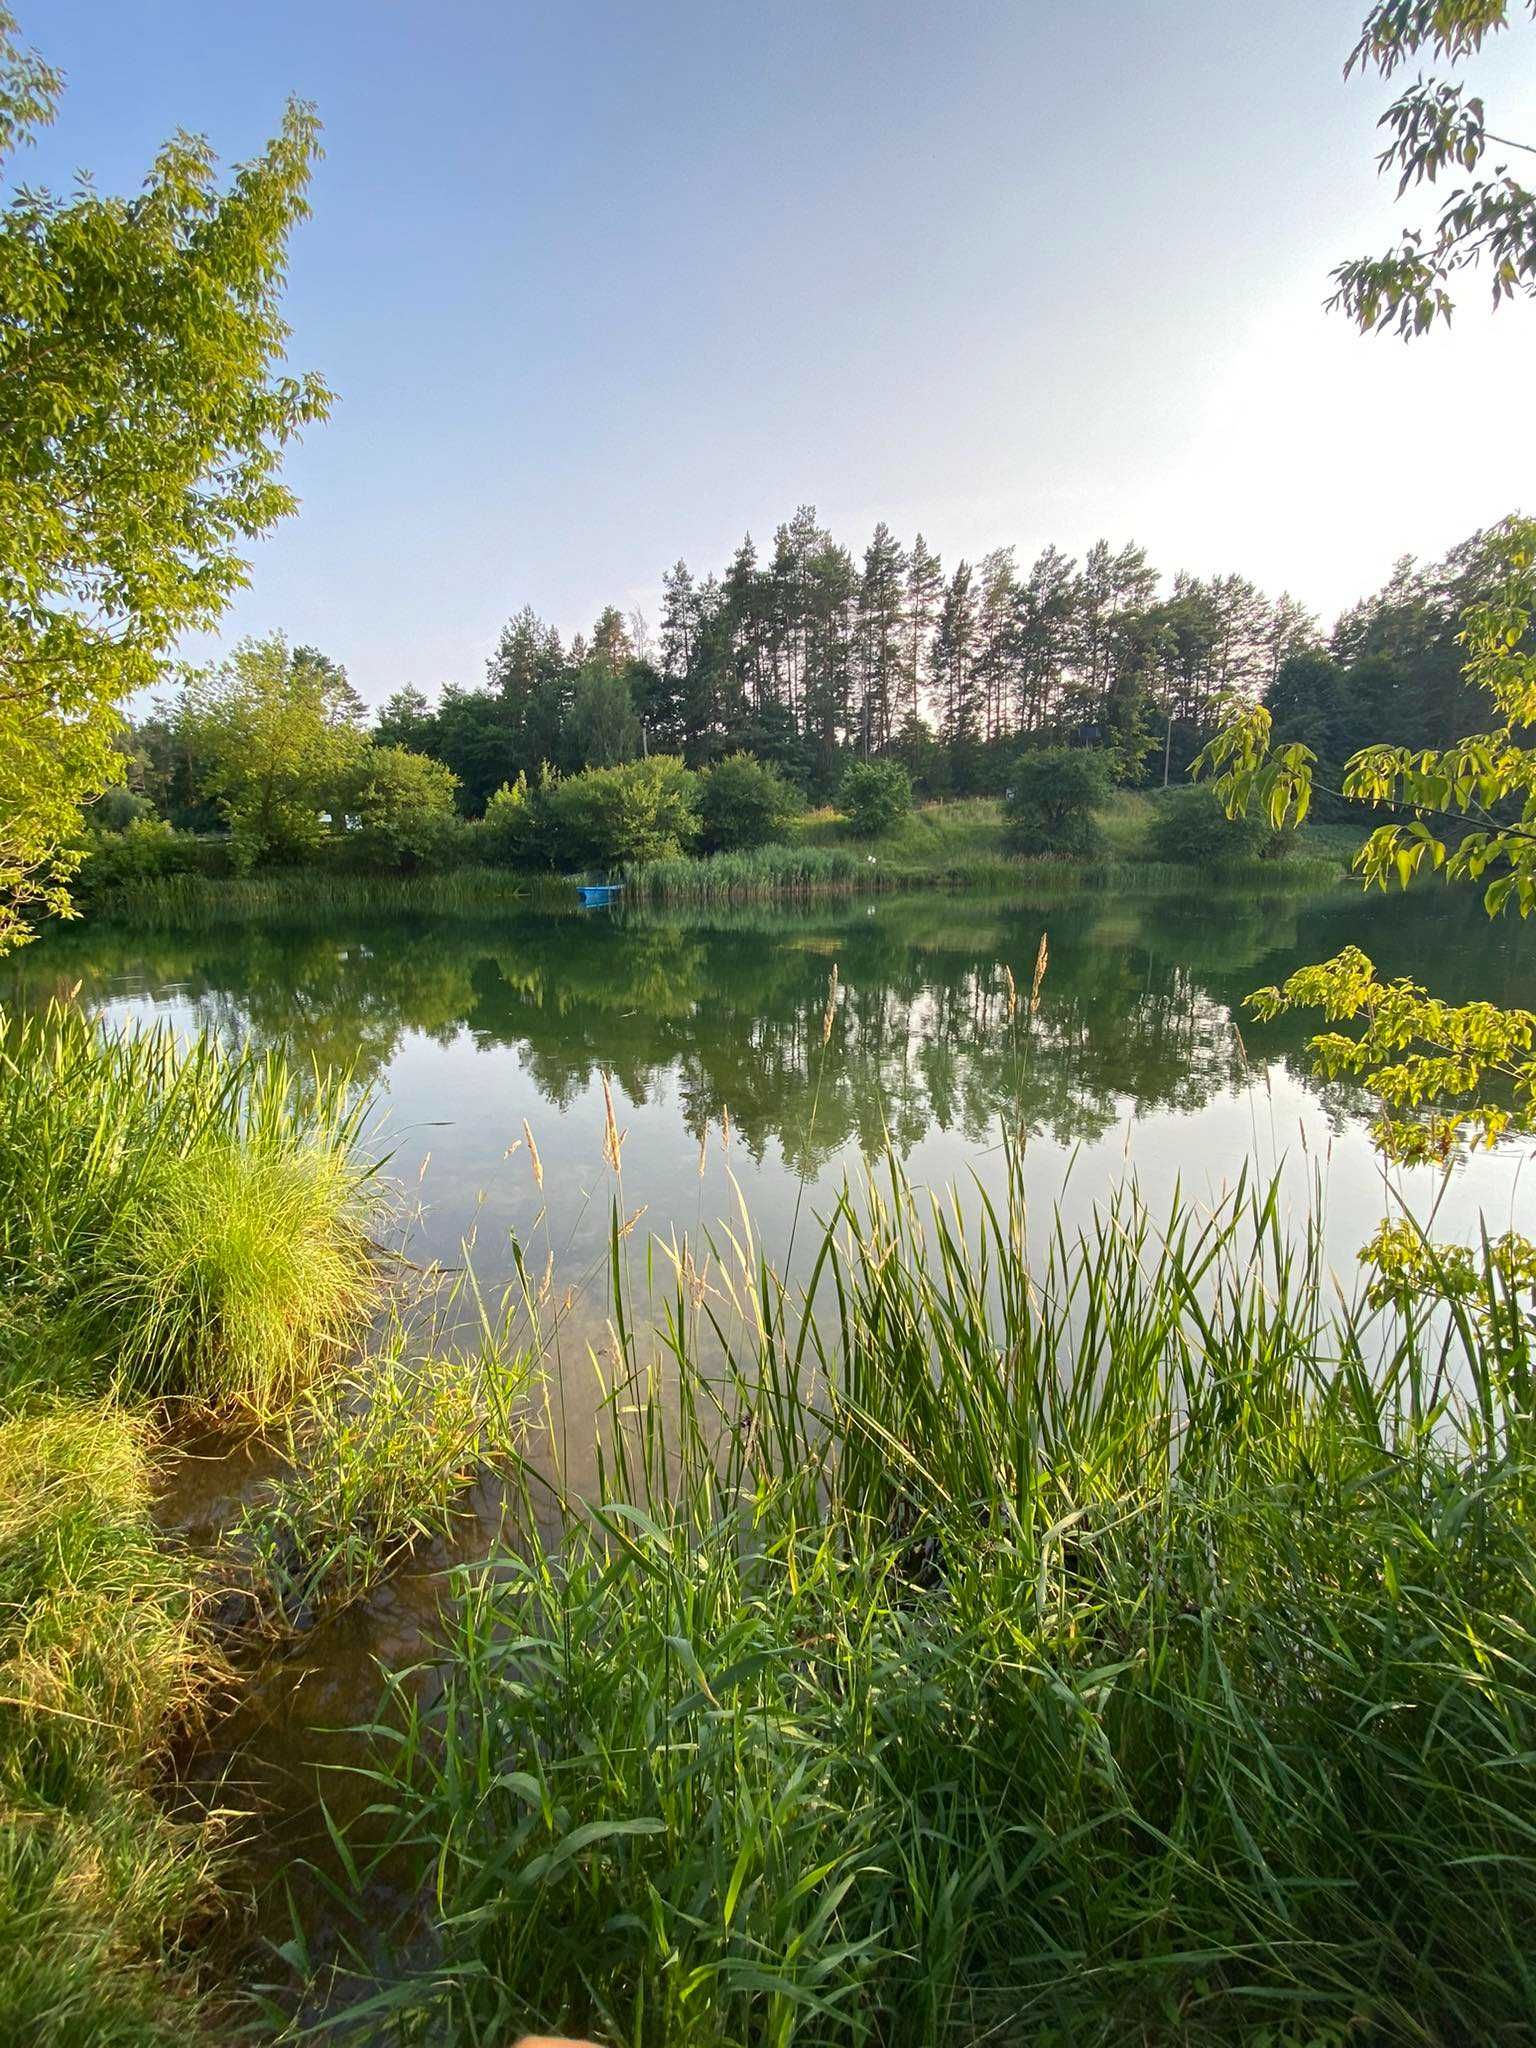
(712, 1029)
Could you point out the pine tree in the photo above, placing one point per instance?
(879, 637)
(679, 622)
(828, 688)
(1045, 632)
(611, 646)
(925, 587)
(996, 651)
(529, 673)
(957, 685)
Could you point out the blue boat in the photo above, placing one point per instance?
(594, 895)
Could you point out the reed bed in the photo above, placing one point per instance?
(180, 1222)
(765, 871)
(310, 895)
(1133, 1642)
(100, 1664)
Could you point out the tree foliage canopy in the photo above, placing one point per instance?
(143, 414)
(277, 733)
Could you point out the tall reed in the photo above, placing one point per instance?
(305, 895)
(765, 871)
(1129, 1642)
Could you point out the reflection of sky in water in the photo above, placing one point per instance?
(1133, 1064)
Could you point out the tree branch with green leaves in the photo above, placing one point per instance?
(1443, 1073)
(1436, 126)
(144, 409)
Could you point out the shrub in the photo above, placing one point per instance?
(510, 828)
(1051, 800)
(614, 817)
(117, 808)
(744, 803)
(403, 806)
(145, 850)
(874, 797)
(1189, 826)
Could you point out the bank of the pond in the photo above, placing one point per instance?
(950, 846)
(102, 1667)
(184, 1232)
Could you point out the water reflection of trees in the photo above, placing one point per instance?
(1136, 1010)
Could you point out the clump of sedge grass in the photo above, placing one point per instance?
(378, 1460)
(99, 1663)
(179, 1221)
(1128, 1644)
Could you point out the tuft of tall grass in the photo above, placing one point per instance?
(99, 1664)
(179, 1221)
(378, 1460)
(1130, 1643)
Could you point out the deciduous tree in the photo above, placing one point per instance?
(144, 408)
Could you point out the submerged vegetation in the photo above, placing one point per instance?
(376, 1462)
(1116, 1644)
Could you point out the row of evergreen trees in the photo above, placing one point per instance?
(806, 659)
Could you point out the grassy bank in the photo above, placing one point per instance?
(183, 1228)
(186, 902)
(179, 1226)
(100, 1666)
(961, 846)
(949, 845)
(1129, 1647)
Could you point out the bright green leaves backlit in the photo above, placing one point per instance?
(1435, 126)
(1429, 1063)
(143, 414)
(1248, 774)
(1485, 1281)
(1443, 1073)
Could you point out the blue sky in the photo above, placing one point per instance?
(602, 285)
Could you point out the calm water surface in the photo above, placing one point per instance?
(711, 1026)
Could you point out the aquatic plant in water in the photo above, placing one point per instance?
(1128, 1642)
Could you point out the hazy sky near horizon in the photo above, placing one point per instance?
(602, 285)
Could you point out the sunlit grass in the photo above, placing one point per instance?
(99, 1664)
(179, 1222)
(1126, 1643)
(766, 871)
